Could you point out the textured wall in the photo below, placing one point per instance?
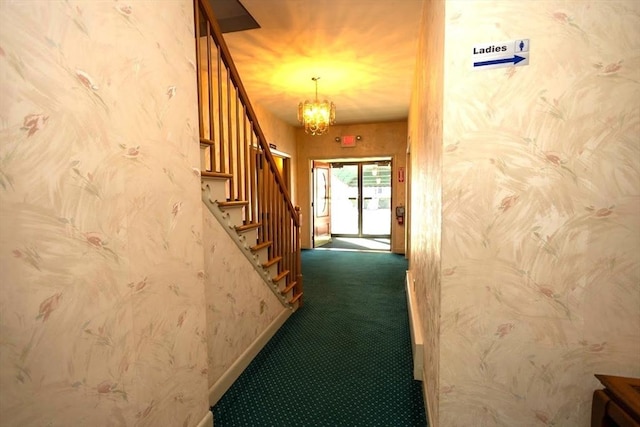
(425, 138)
(541, 197)
(240, 305)
(102, 312)
(378, 140)
(283, 135)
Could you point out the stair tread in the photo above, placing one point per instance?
(262, 245)
(246, 227)
(208, 174)
(288, 288)
(296, 298)
(280, 276)
(271, 262)
(232, 203)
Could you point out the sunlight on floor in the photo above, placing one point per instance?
(358, 244)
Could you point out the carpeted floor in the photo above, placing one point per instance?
(344, 359)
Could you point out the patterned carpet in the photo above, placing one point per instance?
(344, 359)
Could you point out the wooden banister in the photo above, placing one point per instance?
(235, 78)
(235, 147)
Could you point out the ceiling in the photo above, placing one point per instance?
(362, 50)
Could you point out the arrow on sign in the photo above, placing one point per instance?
(515, 60)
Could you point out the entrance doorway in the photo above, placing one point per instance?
(352, 203)
(361, 199)
(321, 203)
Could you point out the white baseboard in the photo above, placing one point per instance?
(207, 421)
(417, 340)
(231, 375)
(427, 404)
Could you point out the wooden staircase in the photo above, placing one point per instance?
(241, 184)
(230, 214)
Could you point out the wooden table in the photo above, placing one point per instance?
(618, 404)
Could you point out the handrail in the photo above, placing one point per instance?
(236, 145)
(235, 77)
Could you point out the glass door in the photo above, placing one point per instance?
(345, 199)
(376, 191)
(361, 199)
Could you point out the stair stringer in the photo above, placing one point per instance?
(240, 239)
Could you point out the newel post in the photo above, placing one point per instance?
(299, 286)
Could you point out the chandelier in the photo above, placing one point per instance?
(316, 116)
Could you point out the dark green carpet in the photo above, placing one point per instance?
(344, 359)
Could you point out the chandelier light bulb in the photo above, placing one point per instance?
(316, 116)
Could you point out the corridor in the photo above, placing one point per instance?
(343, 359)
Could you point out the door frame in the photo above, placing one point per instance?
(283, 162)
(323, 220)
(360, 163)
(365, 159)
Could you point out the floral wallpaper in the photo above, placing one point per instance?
(540, 266)
(424, 192)
(102, 312)
(240, 306)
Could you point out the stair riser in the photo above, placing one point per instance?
(249, 237)
(262, 255)
(280, 284)
(235, 216)
(217, 188)
(231, 216)
(273, 270)
(204, 158)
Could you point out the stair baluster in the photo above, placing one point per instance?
(236, 154)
